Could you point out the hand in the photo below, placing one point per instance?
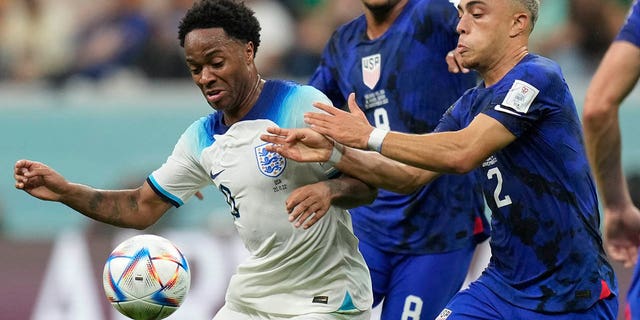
(307, 204)
(348, 128)
(454, 62)
(39, 180)
(622, 234)
(302, 145)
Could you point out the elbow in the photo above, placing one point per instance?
(463, 162)
(596, 111)
(136, 225)
(414, 180)
(144, 221)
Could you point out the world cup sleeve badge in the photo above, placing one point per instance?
(520, 96)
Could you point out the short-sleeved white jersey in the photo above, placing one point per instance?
(289, 271)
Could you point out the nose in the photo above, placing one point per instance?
(207, 75)
(461, 28)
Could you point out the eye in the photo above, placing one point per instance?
(195, 70)
(476, 13)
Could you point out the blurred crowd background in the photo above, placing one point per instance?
(99, 90)
(55, 42)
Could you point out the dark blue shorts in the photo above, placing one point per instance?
(479, 303)
(415, 286)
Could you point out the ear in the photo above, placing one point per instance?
(521, 24)
(249, 52)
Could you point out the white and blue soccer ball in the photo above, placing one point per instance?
(146, 277)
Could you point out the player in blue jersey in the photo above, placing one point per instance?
(290, 273)
(616, 76)
(520, 134)
(386, 56)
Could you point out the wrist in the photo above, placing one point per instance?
(336, 154)
(376, 137)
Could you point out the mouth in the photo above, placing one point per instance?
(213, 95)
(461, 49)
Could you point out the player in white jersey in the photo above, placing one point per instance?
(291, 273)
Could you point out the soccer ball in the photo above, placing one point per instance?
(146, 277)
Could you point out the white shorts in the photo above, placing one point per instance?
(232, 312)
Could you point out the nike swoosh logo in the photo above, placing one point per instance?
(215, 175)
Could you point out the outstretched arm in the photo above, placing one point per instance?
(446, 152)
(136, 208)
(615, 78)
(307, 145)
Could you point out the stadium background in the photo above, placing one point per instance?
(110, 128)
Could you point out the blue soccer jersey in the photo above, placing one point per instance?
(402, 82)
(631, 30)
(545, 239)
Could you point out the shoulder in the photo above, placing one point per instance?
(292, 89)
(199, 134)
(630, 31)
(537, 71)
(349, 32)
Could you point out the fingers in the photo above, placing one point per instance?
(326, 108)
(306, 218)
(353, 106)
(306, 205)
(452, 66)
(272, 139)
(21, 173)
(454, 63)
(309, 222)
(625, 254)
(302, 212)
(278, 131)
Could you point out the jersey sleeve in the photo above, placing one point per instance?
(304, 100)
(450, 119)
(521, 100)
(181, 176)
(631, 29)
(324, 78)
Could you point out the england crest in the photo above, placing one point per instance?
(371, 66)
(270, 164)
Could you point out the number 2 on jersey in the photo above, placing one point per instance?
(500, 202)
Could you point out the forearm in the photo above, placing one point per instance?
(115, 207)
(613, 81)
(379, 171)
(604, 151)
(348, 192)
(434, 152)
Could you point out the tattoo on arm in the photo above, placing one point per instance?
(96, 200)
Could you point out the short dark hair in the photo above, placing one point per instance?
(236, 19)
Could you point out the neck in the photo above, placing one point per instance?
(246, 104)
(497, 70)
